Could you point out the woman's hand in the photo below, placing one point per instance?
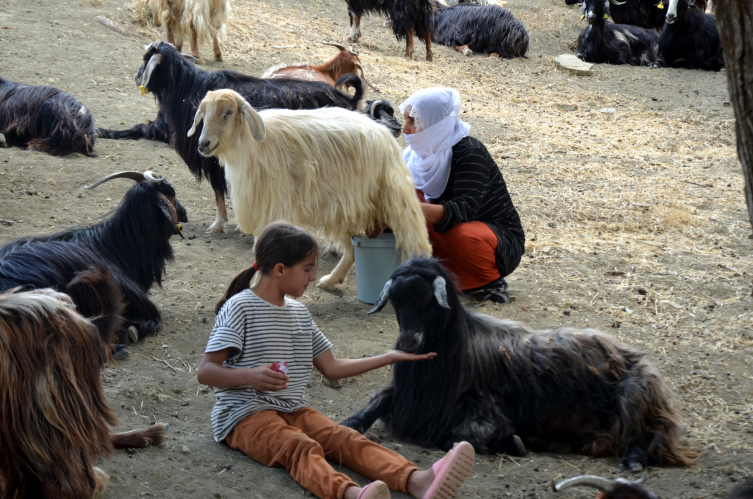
(433, 213)
(396, 356)
(264, 379)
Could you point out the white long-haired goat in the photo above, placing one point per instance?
(199, 20)
(328, 168)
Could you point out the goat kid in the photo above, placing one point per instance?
(604, 42)
(690, 38)
(54, 418)
(201, 21)
(480, 28)
(44, 118)
(497, 384)
(325, 168)
(133, 244)
(407, 19)
(178, 85)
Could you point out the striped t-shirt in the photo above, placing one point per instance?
(259, 333)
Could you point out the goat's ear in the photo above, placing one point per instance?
(154, 61)
(170, 212)
(196, 120)
(255, 122)
(384, 296)
(440, 291)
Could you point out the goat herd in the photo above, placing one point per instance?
(495, 384)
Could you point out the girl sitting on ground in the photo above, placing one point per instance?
(262, 412)
(473, 226)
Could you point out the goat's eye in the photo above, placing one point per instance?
(227, 114)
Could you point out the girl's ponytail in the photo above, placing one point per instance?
(241, 281)
(279, 242)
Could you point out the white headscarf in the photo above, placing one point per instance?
(438, 128)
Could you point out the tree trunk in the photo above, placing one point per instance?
(735, 19)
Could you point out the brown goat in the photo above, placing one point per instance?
(54, 419)
(346, 61)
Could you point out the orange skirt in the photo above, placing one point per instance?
(468, 250)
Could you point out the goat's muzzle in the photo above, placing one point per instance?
(206, 148)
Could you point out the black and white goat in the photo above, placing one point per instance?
(179, 86)
(605, 42)
(690, 38)
(133, 245)
(44, 118)
(481, 28)
(407, 19)
(497, 384)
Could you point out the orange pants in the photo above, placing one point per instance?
(300, 440)
(468, 250)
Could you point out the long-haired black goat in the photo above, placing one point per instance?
(617, 488)
(603, 42)
(133, 244)
(179, 86)
(45, 118)
(408, 18)
(494, 383)
(54, 419)
(481, 28)
(690, 38)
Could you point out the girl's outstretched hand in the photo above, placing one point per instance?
(400, 356)
(265, 379)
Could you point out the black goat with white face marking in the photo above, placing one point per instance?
(497, 384)
(133, 244)
(604, 42)
(690, 38)
(44, 118)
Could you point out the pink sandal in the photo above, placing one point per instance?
(375, 490)
(451, 471)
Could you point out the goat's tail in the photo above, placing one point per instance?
(206, 18)
(153, 435)
(649, 418)
(350, 80)
(99, 298)
(400, 208)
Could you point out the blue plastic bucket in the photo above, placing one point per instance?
(376, 260)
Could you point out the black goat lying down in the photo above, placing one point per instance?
(44, 118)
(495, 382)
(603, 42)
(407, 18)
(690, 39)
(481, 28)
(179, 86)
(133, 245)
(382, 112)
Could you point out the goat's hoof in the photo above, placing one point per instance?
(429, 56)
(3, 143)
(467, 52)
(217, 228)
(133, 334)
(328, 282)
(520, 449)
(120, 352)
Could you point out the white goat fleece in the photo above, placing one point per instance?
(206, 17)
(329, 169)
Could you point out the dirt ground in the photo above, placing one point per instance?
(635, 225)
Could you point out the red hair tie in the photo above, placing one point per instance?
(255, 266)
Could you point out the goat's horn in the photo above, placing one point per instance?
(376, 90)
(138, 177)
(597, 482)
(341, 47)
(352, 50)
(374, 106)
(615, 2)
(151, 177)
(640, 481)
